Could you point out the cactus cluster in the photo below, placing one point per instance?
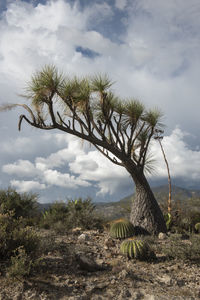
(121, 229)
(136, 249)
(197, 227)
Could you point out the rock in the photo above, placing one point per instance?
(180, 282)
(109, 243)
(125, 294)
(185, 236)
(166, 279)
(149, 297)
(123, 274)
(87, 264)
(83, 237)
(162, 236)
(76, 230)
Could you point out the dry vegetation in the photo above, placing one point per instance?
(67, 253)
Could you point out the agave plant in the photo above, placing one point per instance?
(136, 249)
(168, 220)
(197, 227)
(122, 229)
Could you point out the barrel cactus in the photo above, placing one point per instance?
(197, 227)
(121, 229)
(136, 249)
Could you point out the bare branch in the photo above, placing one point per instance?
(106, 154)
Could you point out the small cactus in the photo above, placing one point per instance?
(136, 249)
(197, 227)
(121, 229)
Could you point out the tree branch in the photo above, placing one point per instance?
(113, 160)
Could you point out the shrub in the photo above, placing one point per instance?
(13, 235)
(62, 217)
(121, 229)
(20, 265)
(81, 214)
(181, 250)
(57, 213)
(22, 205)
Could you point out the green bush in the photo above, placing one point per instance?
(13, 234)
(22, 205)
(20, 264)
(81, 214)
(181, 250)
(62, 217)
(57, 213)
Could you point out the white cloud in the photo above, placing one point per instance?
(183, 162)
(105, 173)
(88, 166)
(53, 177)
(61, 157)
(157, 62)
(21, 168)
(120, 4)
(18, 145)
(23, 186)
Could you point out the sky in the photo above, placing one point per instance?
(149, 48)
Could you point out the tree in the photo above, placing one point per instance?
(121, 130)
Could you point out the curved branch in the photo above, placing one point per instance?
(113, 160)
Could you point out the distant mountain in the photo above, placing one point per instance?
(162, 192)
(114, 210)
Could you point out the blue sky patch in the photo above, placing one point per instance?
(87, 52)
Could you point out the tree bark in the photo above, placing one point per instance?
(146, 214)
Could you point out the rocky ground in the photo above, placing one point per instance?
(87, 265)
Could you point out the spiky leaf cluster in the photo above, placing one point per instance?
(136, 249)
(121, 129)
(168, 220)
(122, 229)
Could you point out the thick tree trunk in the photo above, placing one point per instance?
(146, 214)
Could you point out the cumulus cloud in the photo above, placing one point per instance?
(90, 168)
(184, 162)
(23, 186)
(156, 61)
(53, 177)
(120, 4)
(21, 168)
(94, 166)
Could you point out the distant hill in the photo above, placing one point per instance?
(162, 192)
(180, 196)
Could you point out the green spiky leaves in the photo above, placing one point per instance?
(100, 83)
(86, 107)
(44, 85)
(122, 229)
(136, 249)
(168, 220)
